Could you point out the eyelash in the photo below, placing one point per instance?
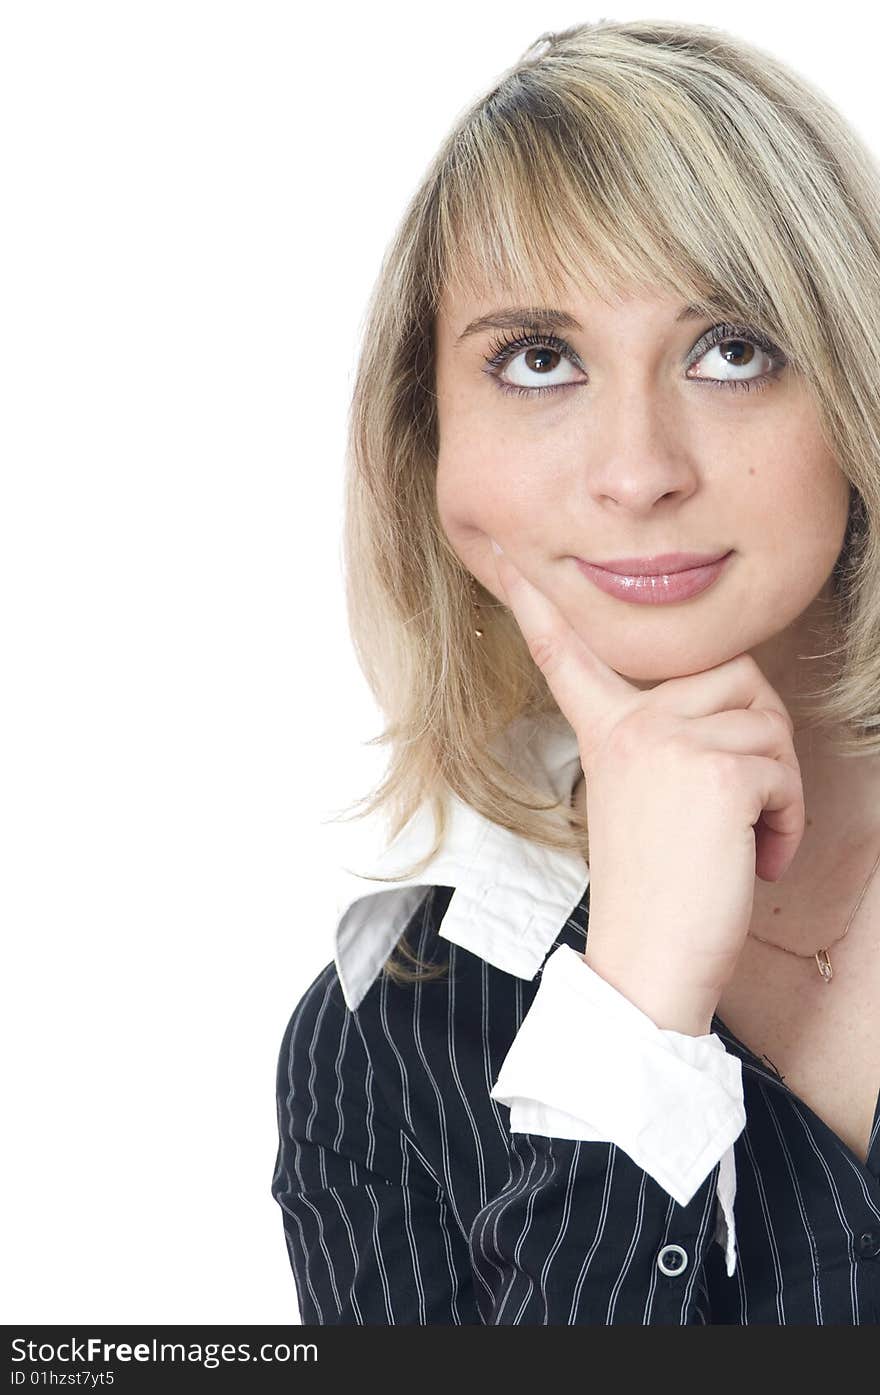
(504, 349)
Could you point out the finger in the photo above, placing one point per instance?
(750, 731)
(779, 827)
(589, 692)
(760, 733)
(737, 683)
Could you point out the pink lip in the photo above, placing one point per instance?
(679, 582)
(664, 562)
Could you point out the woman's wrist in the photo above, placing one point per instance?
(670, 1004)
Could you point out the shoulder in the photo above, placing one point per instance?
(341, 1071)
(321, 1023)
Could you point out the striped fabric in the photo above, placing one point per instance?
(406, 1199)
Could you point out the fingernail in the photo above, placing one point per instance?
(495, 547)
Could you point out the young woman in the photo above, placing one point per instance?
(600, 1042)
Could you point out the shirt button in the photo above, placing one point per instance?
(672, 1259)
(868, 1244)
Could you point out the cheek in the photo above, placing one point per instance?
(811, 512)
(477, 494)
(491, 482)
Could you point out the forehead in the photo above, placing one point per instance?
(466, 311)
(463, 292)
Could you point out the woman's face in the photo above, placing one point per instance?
(636, 453)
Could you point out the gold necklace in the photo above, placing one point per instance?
(823, 963)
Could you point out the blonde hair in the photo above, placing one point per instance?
(654, 155)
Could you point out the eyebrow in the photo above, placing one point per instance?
(543, 321)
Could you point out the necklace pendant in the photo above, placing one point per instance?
(824, 965)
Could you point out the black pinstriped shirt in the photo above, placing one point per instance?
(406, 1199)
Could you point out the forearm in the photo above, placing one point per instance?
(670, 1002)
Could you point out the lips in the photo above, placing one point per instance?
(676, 582)
(662, 564)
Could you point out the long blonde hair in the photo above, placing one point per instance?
(654, 155)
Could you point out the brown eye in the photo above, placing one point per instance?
(531, 365)
(541, 360)
(737, 351)
(729, 357)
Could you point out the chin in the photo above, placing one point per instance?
(644, 683)
(648, 675)
(674, 651)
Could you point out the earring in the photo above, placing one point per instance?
(476, 604)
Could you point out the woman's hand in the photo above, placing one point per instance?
(693, 787)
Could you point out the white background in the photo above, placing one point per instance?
(196, 198)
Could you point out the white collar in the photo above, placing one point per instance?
(511, 897)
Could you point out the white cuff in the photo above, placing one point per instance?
(588, 1064)
(725, 1192)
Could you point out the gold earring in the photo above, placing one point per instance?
(476, 604)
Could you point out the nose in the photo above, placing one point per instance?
(636, 459)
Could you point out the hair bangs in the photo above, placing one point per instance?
(516, 216)
(535, 206)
